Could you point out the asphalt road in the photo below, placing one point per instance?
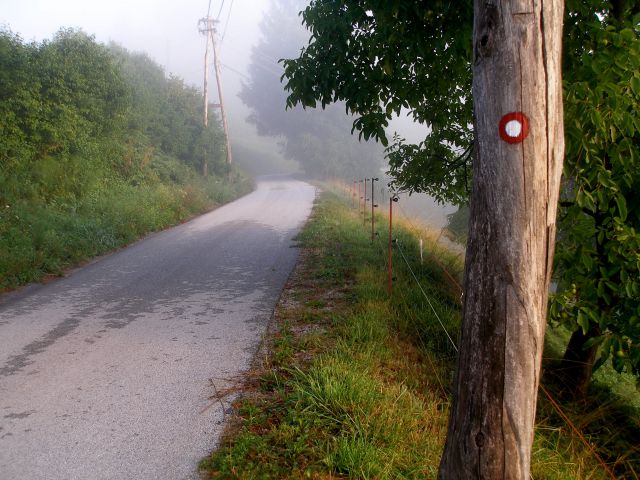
(105, 374)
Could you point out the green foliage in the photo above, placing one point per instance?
(318, 140)
(379, 57)
(98, 147)
(383, 57)
(38, 240)
(56, 98)
(168, 114)
(598, 252)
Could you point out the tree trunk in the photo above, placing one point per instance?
(577, 364)
(517, 96)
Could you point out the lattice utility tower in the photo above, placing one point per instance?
(207, 27)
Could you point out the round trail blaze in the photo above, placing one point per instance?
(514, 127)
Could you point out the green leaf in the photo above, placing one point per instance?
(627, 35)
(628, 286)
(583, 322)
(622, 207)
(635, 85)
(594, 341)
(587, 260)
(386, 66)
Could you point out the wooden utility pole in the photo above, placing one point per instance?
(519, 149)
(373, 206)
(225, 125)
(364, 209)
(206, 85)
(207, 26)
(204, 26)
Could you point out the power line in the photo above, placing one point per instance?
(267, 67)
(409, 312)
(245, 76)
(265, 57)
(209, 9)
(568, 421)
(220, 11)
(425, 294)
(226, 24)
(450, 277)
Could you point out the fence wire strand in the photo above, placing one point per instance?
(414, 323)
(455, 347)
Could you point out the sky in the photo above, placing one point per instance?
(165, 29)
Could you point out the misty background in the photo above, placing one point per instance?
(252, 36)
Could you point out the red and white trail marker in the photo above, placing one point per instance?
(514, 127)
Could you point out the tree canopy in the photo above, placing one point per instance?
(381, 57)
(598, 250)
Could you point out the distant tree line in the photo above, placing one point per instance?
(319, 140)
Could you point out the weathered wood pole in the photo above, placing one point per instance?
(364, 208)
(390, 252)
(206, 103)
(225, 125)
(519, 149)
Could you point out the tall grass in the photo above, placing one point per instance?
(40, 238)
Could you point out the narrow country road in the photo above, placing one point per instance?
(105, 374)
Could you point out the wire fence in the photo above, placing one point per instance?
(404, 257)
(409, 310)
(359, 197)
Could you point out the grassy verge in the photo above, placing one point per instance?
(356, 383)
(42, 238)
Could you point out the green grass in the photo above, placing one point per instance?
(357, 384)
(39, 239)
(609, 417)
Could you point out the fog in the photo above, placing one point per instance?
(164, 29)
(167, 31)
